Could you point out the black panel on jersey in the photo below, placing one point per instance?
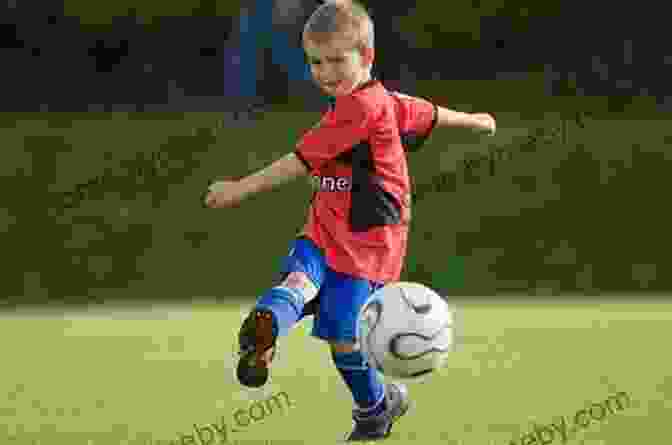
(371, 205)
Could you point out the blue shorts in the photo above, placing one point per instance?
(340, 296)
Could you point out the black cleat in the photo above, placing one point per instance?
(379, 427)
(255, 339)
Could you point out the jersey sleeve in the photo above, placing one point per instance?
(348, 126)
(416, 118)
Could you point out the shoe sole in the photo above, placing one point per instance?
(264, 338)
(252, 368)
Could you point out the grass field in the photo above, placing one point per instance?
(146, 377)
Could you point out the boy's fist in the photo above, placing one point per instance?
(486, 123)
(223, 194)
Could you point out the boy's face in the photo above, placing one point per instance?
(337, 67)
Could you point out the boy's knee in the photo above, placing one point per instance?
(299, 283)
(342, 348)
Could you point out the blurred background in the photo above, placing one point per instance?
(202, 54)
(115, 115)
(121, 296)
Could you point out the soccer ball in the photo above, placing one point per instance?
(405, 330)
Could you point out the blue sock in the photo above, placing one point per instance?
(285, 305)
(365, 385)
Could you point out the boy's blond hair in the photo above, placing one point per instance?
(343, 19)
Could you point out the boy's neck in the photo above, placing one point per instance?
(365, 79)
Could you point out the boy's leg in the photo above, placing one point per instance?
(278, 310)
(302, 275)
(377, 405)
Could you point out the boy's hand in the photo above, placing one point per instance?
(229, 193)
(222, 194)
(485, 123)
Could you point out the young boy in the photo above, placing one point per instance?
(355, 237)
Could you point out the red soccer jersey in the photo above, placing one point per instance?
(361, 209)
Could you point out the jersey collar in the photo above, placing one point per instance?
(367, 84)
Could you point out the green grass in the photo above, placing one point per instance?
(145, 377)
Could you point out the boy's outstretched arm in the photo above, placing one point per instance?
(476, 121)
(223, 194)
(417, 118)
